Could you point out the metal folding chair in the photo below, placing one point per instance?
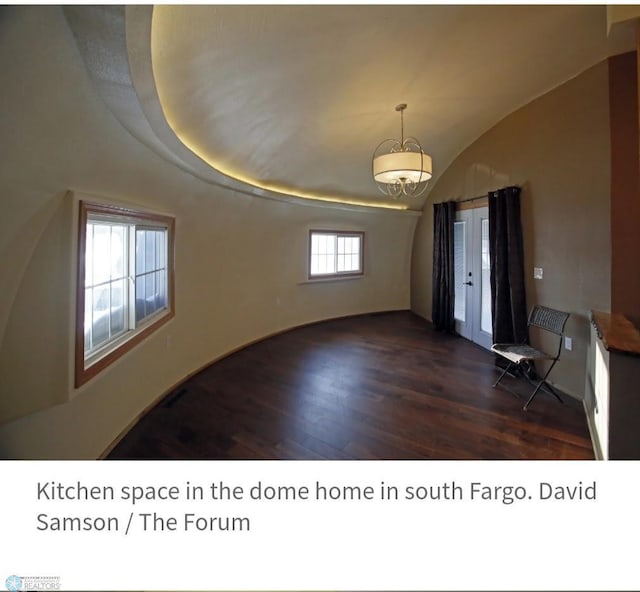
(519, 355)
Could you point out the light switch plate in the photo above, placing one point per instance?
(537, 273)
(568, 343)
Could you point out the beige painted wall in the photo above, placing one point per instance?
(557, 149)
(240, 260)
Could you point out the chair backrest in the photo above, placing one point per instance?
(548, 319)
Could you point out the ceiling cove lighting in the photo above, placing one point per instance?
(278, 190)
(400, 167)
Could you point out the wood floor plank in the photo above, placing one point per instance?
(383, 386)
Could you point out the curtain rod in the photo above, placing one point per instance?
(485, 196)
(472, 198)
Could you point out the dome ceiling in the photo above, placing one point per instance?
(294, 99)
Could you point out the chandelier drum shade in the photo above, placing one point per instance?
(400, 167)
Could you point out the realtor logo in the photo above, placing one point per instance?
(24, 583)
(14, 583)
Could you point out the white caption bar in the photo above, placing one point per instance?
(313, 525)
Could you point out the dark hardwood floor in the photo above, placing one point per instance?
(383, 386)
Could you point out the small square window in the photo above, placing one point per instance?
(335, 254)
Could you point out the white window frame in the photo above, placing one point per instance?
(337, 234)
(89, 364)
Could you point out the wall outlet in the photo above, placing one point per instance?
(568, 343)
(537, 273)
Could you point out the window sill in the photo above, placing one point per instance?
(333, 278)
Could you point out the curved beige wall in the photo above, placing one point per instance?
(557, 149)
(240, 260)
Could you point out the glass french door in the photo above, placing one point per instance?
(472, 276)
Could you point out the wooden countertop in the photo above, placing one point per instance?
(617, 332)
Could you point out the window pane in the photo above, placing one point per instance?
(105, 255)
(161, 283)
(150, 284)
(88, 267)
(117, 307)
(460, 266)
(88, 316)
(330, 262)
(140, 253)
(161, 250)
(486, 324)
(331, 244)
(106, 264)
(322, 264)
(150, 294)
(149, 249)
(118, 252)
(323, 254)
(100, 319)
(322, 248)
(140, 298)
(101, 253)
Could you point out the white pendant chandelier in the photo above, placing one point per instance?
(400, 167)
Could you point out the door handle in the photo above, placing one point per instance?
(468, 283)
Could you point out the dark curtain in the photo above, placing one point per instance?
(508, 299)
(444, 215)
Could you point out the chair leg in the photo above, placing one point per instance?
(547, 387)
(543, 382)
(495, 384)
(535, 392)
